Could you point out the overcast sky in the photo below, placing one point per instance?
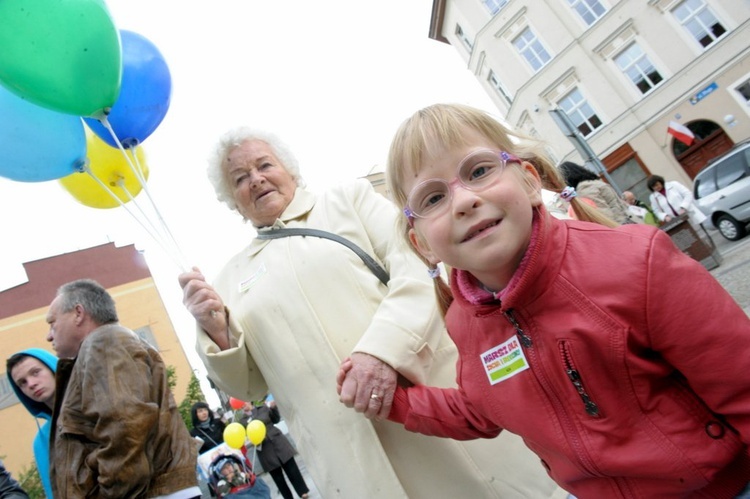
(332, 78)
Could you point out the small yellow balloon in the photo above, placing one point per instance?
(256, 431)
(234, 435)
(107, 164)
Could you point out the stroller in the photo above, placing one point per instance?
(232, 477)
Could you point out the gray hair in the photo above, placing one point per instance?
(92, 297)
(234, 138)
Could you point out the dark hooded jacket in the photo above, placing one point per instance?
(211, 432)
(40, 411)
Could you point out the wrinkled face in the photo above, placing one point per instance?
(202, 414)
(486, 231)
(629, 197)
(65, 332)
(35, 379)
(261, 185)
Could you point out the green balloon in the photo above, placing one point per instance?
(64, 55)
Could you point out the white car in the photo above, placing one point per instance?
(722, 191)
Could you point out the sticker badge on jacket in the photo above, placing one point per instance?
(250, 281)
(504, 361)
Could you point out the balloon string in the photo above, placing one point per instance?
(87, 169)
(138, 173)
(162, 222)
(155, 230)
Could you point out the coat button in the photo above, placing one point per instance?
(715, 430)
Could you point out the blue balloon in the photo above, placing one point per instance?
(145, 93)
(36, 143)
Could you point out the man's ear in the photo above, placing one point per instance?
(80, 313)
(533, 183)
(422, 247)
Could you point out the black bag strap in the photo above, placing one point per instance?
(376, 269)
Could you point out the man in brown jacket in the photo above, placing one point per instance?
(116, 430)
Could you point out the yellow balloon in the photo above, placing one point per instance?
(256, 431)
(109, 165)
(234, 435)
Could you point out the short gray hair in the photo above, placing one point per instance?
(92, 296)
(234, 138)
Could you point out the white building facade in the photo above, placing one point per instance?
(621, 71)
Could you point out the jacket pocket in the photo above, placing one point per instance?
(576, 380)
(76, 454)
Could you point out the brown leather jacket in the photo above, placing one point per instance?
(117, 431)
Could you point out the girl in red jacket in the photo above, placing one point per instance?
(621, 361)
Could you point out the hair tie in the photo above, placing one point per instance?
(433, 272)
(568, 193)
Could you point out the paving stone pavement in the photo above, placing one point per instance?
(734, 270)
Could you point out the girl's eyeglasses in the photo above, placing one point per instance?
(475, 172)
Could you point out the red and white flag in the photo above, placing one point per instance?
(681, 133)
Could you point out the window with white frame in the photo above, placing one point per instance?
(700, 21)
(588, 10)
(499, 87)
(529, 46)
(494, 6)
(145, 333)
(7, 395)
(580, 112)
(743, 90)
(638, 68)
(464, 38)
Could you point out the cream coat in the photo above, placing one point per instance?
(299, 305)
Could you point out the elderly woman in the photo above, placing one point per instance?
(283, 313)
(672, 199)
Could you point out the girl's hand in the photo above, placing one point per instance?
(345, 367)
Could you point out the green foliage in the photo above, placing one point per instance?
(192, 395)
(31, 482)
(171, 378)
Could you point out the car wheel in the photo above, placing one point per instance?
(730, 228)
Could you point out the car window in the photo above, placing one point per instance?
(704, 183)
(731, 169)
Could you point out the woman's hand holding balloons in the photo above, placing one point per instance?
(206, 306)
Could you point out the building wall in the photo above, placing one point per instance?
(124, 273)
(583, 57)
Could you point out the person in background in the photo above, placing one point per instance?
(9, 487)
(116, 429)
(283, 313)
(31, 374)
(206, 427)
(592, 360)
(588, 185)
(672, 199)
(639, 210)
(275, 453)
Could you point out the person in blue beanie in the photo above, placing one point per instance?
(31, 373)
